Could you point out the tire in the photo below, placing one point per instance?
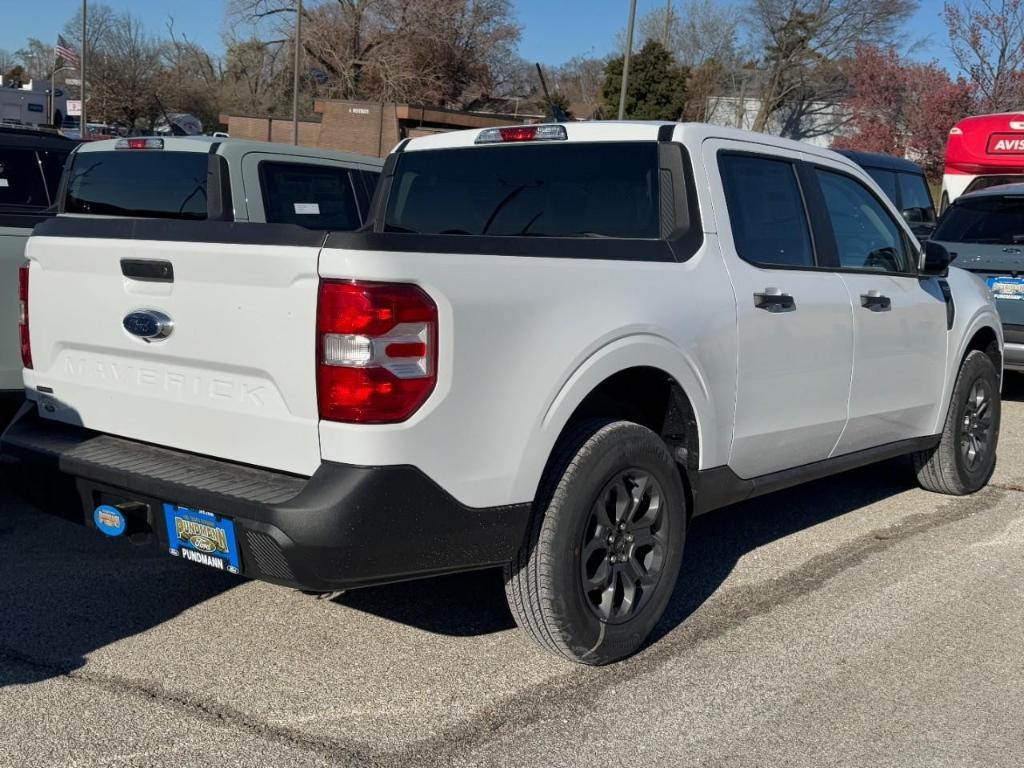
(584, 585)
(965, 457)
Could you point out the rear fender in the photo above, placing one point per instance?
(633, 351)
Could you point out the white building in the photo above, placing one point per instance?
(817, 123)
(30, 103)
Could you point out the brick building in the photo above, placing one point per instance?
(364, 127)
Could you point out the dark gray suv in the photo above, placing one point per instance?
(985, 230)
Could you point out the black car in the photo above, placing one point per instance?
(904, 183)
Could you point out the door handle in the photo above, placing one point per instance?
(774, 300)
(875, 301)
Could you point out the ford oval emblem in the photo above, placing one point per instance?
(148, 324)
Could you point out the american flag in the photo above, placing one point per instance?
(65, 52)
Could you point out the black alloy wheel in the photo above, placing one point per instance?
(624, 545)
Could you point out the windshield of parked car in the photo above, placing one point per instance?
(534, 190)
(990, 219)
(150, 183)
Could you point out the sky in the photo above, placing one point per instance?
(553, 31)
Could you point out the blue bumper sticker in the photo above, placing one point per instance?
(109, 520)
(202, 537)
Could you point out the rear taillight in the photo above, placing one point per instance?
(376, 351)
(26, 346)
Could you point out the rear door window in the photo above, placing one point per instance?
(766, 211)
(312, 196)
(148, 183)
(599, 190)
(916, 200)
(21, 181)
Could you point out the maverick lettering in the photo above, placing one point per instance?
(179, 384)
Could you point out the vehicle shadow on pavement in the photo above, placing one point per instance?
(718, 540)
(474, 603)
(66, 591)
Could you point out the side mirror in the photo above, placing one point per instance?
(936, 260)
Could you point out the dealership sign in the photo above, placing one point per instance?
(74, 107)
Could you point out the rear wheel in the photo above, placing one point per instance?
(605, 544)
(965, 457)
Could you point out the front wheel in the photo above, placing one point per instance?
(965, 457)
(605, 545)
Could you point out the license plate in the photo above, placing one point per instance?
(201, 537)
(1009, 288)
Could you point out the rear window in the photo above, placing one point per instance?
(536, 190)
(21, 181)
(138, 182)
(995, 219)
(312, 196)
(985, 182)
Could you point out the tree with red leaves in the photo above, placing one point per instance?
(903, 108)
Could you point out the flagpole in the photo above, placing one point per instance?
(84, 132)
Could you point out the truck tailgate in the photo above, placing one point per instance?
(236, 376)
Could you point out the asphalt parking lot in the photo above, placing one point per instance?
(856, 621)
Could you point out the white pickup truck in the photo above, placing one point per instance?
(552, 347)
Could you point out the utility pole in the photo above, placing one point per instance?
(668, 24)
(295, 75)
(625, 60)
(83, 125)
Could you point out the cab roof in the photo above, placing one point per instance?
(691, 134)
(223, 146)
(879, 160)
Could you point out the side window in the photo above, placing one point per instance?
(917, 200)
(867, 237)
(312, 196)
(886, 180)
(21, 181)
(766, 211)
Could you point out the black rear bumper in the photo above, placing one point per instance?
(342, 528)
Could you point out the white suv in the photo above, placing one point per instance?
(551, 348)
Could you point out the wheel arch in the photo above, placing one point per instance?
(981, 332)
(644, 379)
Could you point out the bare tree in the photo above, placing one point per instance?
(987, 41)
(253, 75)
(123, 73)
(36, 59)
(580, 81)
(188, 78)
(7, 61)
(438, 51)
(804, 40)
(101, 19)
(695, 32)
